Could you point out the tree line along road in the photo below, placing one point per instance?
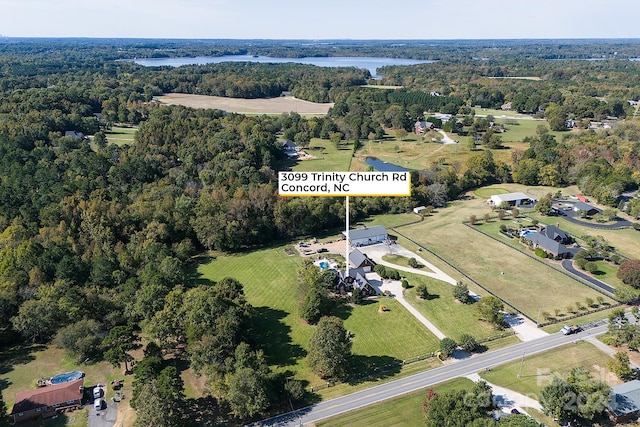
(425, 379)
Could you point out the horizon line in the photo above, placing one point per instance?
(4, 37)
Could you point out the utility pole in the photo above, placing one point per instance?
(346, 234)
(538, 318)
(521, 364)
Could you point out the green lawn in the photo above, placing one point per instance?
(539, 370)
(414, 152)
(522, 128)
(607, 272)
(269, 279)
(401, 411)
(442, 308)
(486, 192)
(328, 158)
(403, 261)
(121, 135)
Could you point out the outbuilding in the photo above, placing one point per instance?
(419, 209)
(513, 199)
(590, 210)
(367, 235)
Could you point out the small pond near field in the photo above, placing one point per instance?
(381, 166)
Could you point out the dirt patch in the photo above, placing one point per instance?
(283, 104)
(311, 248)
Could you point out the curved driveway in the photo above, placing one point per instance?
(425, 379)
(571, 217)
(567, 264)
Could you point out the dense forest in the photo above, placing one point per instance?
(95, 237)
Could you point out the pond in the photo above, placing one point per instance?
(381, 166)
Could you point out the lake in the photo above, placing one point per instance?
(370, 63)
(381, 166)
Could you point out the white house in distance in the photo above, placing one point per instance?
(513, 199)
(367, 235)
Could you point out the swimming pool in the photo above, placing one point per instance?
(66, 377)
(528, 232)
(323, 265)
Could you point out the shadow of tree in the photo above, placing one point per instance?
(340, 308)
(19, 355)
(194, 277)
(368, 368)
(481, 348)
(206, 412)
(274, 337)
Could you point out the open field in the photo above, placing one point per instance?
(538, 370)
(487, 192)
(518, 131)
(521, 281)
(325, 157)
(401, 411)
(121, 135)
(283, 104)
(269, 279)
(410, 153)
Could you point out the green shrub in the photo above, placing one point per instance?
(381, 270)
(541, 252)
(447, 347)
(422, 291)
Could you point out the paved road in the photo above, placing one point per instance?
(425, 379)
(567, 264)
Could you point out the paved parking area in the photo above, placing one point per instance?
(105, 417)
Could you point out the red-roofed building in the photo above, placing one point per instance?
(582, 198)
(48, 401)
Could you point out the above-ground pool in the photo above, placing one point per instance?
(66, 377)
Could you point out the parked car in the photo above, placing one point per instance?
(97, 404)
(321, 250)
(514, 411)
(97, 392)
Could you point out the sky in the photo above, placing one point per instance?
(321, 19)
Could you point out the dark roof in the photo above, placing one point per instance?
(625, 398)
(363, 233)
(48, 396)
(357, 258)
(546, 243)
(74, 134)
(358, 275)
(553, 232)
(289, 144)
(581, 206)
